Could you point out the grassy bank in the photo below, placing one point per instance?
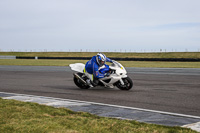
(26, 117)
(108, 54)
(90, 54)
(31, 62)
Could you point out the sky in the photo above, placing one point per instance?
(100, 25)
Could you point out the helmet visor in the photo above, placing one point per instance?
(102, 62)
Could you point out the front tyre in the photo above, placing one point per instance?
(79, 83)
(128, 84)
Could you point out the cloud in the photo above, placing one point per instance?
(105, 24)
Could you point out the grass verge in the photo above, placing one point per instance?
(16, 116)
(31, 62)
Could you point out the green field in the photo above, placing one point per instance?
(25, 117)
(31, 62)
(161, 64)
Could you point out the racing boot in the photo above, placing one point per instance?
(95, 82)
(89, 82)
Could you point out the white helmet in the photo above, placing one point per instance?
(101, 59)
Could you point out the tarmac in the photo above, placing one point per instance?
(114, 111)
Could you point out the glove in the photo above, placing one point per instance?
(107, 74)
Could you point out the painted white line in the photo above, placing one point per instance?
(118, 106)
(66, 103)
(193, 126)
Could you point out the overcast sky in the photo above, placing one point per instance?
(131, 25)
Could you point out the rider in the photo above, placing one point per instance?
(97, 67)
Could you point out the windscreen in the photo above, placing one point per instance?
(116, 64)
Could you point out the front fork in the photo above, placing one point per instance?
(121, 81)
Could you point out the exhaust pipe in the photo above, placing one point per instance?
(77, 76)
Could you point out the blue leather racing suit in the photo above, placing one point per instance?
(92, 67)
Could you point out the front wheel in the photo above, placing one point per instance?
(128, 84)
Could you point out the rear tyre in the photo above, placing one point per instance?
(79, 83)
(128, 84)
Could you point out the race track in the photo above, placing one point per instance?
(169, 90)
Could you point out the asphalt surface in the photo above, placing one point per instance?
(169, 90)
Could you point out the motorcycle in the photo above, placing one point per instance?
(117, 77)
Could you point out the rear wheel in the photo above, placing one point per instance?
(79, 83)
(128, 84)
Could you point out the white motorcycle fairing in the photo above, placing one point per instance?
(78, 67)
